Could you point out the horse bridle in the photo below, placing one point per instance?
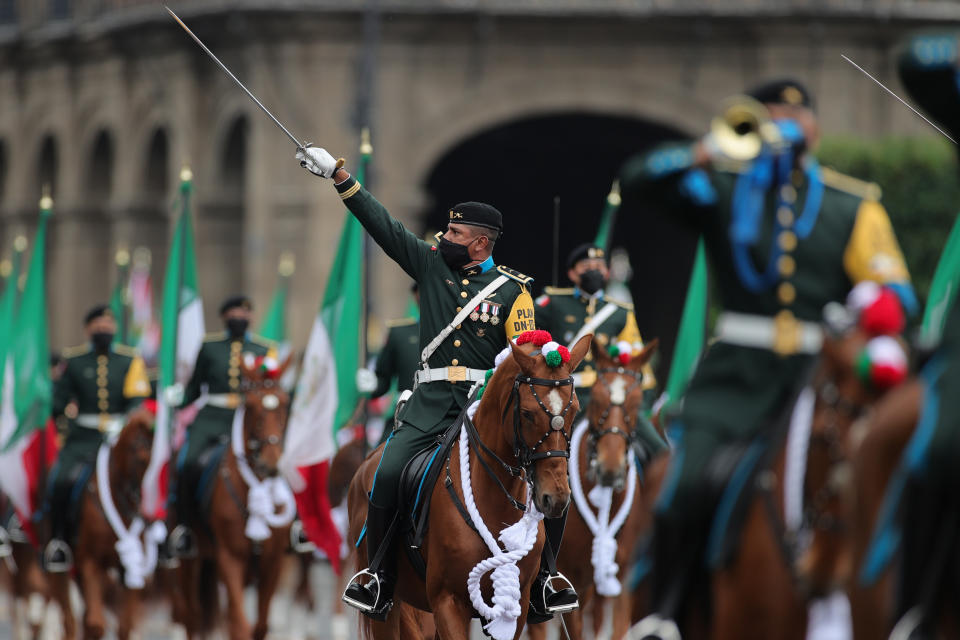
(255, 443)
(627, 433)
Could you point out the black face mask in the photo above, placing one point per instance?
(101, 341)
(591, 281)
(237, 327)
(455, 255)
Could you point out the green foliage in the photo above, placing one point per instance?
(920, 191)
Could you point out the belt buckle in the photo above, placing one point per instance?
(456, 374)
(786, 334)
(233, 400)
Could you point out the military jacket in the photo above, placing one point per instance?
(217, 370)
(804, 255)
(400, 356)
(100, 384)
(475, 342)
(563, 312)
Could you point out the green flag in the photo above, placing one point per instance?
(11, 293)
(181, 337)
(27, 392)
(274, 325)
(943, 289)
(118, 299)
(691, 332)
(608, 217)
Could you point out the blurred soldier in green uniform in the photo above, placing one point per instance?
(105, 381)
(451, 276)
(216, 383)
(571, 313)
(785, 237)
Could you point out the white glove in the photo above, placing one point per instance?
(317, 161)
(366, 380)
(173, 395)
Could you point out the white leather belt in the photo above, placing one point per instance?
(224, 400)
(782, 334)
(450, 374)
(106, 422)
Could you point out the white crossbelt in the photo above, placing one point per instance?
(450, 374)
(783, 333)
(465, 310)
(224, 400)
(112, 422)
(595, 322)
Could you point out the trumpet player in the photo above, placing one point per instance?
(785, 237)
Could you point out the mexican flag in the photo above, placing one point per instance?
(943, 289)
(26, 392)
(180, 341)
(144, 332)
(274, 325)
(119, 298)
(327, 393)
(608, 218)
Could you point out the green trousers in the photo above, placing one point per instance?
(74, 462)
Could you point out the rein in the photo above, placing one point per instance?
(597, 431)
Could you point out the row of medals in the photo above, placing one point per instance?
(485, 317)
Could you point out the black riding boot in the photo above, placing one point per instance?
(57, 556)
(929, 527)
(546, 599)
(375, 598)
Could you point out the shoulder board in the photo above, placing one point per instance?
(401, 322)
(215, 336)
(849, 184)
(260, 340)
(514, 275)
(558, 291)
(620, 303)
(73, 352)
(125, 350)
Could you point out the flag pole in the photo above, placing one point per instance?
(46, 207)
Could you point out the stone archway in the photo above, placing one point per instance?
(98, 179)
(48, 160)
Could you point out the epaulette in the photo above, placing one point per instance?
(513, 274)
(263, 342)
(558, 291)
(125, 350)
(215, 336)
(73, 352)
(400, 322)
(620, 303)
(851, 185)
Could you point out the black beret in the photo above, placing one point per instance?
(478, 214)
(583, 252)
(96, 312)
(235, 301)
(782, 91)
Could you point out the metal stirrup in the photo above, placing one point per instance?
(561, 608)
(362, 606)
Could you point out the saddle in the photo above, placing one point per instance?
(66, 499)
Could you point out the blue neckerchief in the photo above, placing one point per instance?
(486, 265)
(578, 293)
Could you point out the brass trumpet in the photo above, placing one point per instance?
(742, 129)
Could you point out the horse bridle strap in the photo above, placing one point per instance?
(598, 432)
(526, 454)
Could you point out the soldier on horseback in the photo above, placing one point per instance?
(106, 381)
(785, 237)
(216, 379)
(457, 276)
(585, 308)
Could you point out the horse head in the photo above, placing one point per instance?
(844, 392)
(615, 402)
(536, 405)
(266, 405)
(131, 451)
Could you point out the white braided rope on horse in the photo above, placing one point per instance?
(603, 552)
(263, 496)
(138, 557)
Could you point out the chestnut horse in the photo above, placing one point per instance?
(512, 422)
(98, 548)
(242, 542)
(782, 562)
(604, 458)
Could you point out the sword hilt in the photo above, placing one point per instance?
(340, 163)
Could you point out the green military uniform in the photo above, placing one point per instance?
(105, 387)
(468, 351)
(217, 374)
(398, 360)
(563, 312)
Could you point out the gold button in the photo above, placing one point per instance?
(456, 343)
(463, 294)
(785, 216)
(103, 393)
(464, 281)
(788, 194)
(787, 241)
(101, 381)
(235, 345)
(459, 309)
(454, 362)
(101, 359)
(101, 371)
(786, 293)
(103, 405)
(234, 384)
(787, 266)
(233, 371)
(459, 326)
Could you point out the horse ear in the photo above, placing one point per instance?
(526, 362)
(600, 355)
(579, 351)
(644, 356)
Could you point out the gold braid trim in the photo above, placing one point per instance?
(352, 191)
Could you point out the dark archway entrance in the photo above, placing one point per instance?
(520, 166)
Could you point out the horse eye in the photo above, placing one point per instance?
(528, 415)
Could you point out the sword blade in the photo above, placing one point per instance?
(563, 625)
(902, 101)
(299, 144)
